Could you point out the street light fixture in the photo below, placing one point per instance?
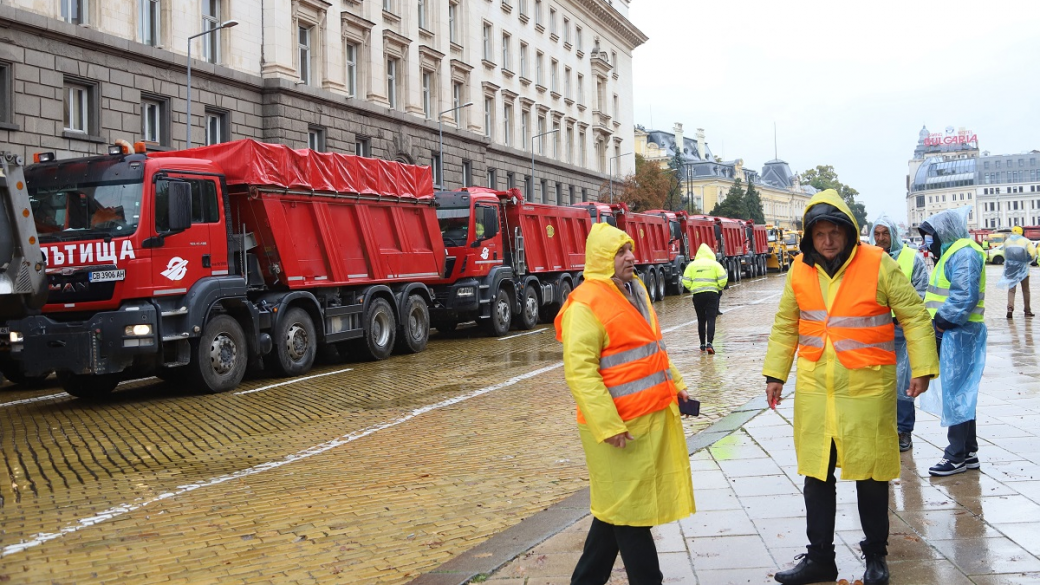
(223, 25)
(610, 171)
(440, 138)
(546, 133)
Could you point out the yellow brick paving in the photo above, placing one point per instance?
(380, 509)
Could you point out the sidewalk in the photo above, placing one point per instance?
(981, 527)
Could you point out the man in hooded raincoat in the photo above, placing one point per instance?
(884, 233)
(626, 389)
(836, 312)
(705, 278)
(956, 301)
(1018, 254)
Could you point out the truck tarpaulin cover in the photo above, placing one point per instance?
(275, 165)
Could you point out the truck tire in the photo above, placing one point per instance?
(661, 284)
(380, 329)
(12, 370)
(528, 316)
(88, 386)
(651, 283)
(295, 344)
(220, 355)
(414, 333)
(497, 324)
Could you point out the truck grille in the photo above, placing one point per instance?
(77, 288)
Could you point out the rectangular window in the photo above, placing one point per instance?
(567, 82)
(467, 173)
(525, 123)
(78, 107)
(617, 107)
(507, 124)
(148, 24)
(427, 94)
(556, 141)
(420, 10)
(554, 75)
(453, 22)
(581, 147)
(581, 89)
(435, 166)
(304, 47)
(570, 144)
(5, 93)
(388, 5)
(352, 67)
(541, 134)
(74, 11)
(211, 21)
(362, 146)
(538, 77)
(577, 37)
(205, 206)
(316, 138)
(523, 59)
(523, 7)
(538, 12)
(216, 127)
(488, 49)
(492, 178)
(155, 121)
(552, 21)
(489, 118)
(391, 82)
(505, 52)
(456, 102)
(567, 30)
(510, 180)
(985, 165)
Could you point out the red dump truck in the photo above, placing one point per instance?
(508, 261)
(730, 243)
(193, 264)
(656, 262)
(756, 249)
(687, 234)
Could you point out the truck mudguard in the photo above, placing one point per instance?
(199, 301)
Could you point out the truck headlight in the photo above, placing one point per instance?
(465, 292)
(16, 337)
(138, 330)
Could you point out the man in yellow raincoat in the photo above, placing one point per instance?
(626, 389)
(836, 312)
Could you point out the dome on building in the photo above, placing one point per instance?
(665, 141)
(777, 173)
(937, 173)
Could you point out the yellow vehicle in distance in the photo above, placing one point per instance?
(780, 252)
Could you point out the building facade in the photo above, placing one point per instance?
(464, 86)
(948, 171)
(706, 179)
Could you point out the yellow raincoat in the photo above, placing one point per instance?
(854, 408)
(647, 482)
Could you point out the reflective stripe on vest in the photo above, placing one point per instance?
(939, 286)
(860, 330)
(634, 365)
(702, 283)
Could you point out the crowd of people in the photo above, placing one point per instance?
(871, 328)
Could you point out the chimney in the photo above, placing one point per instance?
(700, 143)
(678, 137)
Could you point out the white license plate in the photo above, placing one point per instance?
(107, 275)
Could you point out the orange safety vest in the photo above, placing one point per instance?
(860, 329)
(634, 365)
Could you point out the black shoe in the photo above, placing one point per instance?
(710, 349)
(718, 313)
(703, 348)
(972, 462)
(906, 441)
(807, 571)
(947, 467)
(877, 570)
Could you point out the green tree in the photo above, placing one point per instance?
(753, 202)
(734, 205)
(678, 166)
(644, 189)
(825, 177)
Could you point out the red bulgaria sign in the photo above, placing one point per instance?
(960, 137)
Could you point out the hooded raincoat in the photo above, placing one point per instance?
(854, 408)
(919, 279)
(963, 349)
(1018, 253)
(647, 482)
(705, 274)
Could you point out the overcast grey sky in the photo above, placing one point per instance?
(847, 83)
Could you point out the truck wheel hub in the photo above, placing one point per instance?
(381, 329)
(296, 342)
(223, 354)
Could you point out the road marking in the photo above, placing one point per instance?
(522, 334)
(121, 510)
(766, 298)
(293, 381)
(37, 399)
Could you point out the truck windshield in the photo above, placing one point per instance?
(454, 222)
(791, 240)
(85, 199)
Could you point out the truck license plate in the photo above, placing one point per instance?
(107, 275)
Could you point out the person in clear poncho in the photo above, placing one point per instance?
(956, 302)
(885, 234)
(1018, 253)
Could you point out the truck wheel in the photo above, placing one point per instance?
(661, 284)
(88, 386)
(295, 344)
(501, 314)
(380, 329)
(219, 356)
(528, 316)
(651, 283)
(414, 333)
(12, 370)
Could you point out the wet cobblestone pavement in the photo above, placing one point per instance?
(361, 472)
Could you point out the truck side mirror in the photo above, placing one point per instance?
(179, 206)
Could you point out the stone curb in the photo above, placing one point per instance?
(505, 546)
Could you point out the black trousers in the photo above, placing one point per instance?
(962, 441)
(707, 306)
(821, 506)
(638, 552)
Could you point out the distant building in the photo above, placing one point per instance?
(706, 178)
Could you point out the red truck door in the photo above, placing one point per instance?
(486, 245)
(196, 252)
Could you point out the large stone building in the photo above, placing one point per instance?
(948, 171)
(706, 178)
(377, 78)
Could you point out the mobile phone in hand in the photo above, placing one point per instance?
(690, 407)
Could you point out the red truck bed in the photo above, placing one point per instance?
(650, 233)
(554, 235)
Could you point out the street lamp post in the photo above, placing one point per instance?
(223, 25)
(546, 133)
(440, 139)
(610, 171)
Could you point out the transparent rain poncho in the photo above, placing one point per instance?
(893, 230)
(1016, 261)
(962, 353)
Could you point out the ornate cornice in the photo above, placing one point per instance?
(613, 20)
